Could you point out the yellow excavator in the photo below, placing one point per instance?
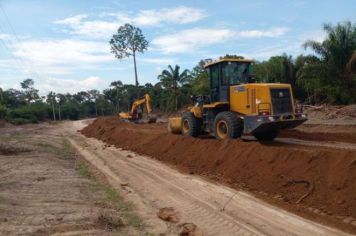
(238, 106)
(136, 112)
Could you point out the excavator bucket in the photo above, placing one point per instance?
(152, 119)
(124, 116)
(175, 125)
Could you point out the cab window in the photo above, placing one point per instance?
(236, 72)
(214, 74)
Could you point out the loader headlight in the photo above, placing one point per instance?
(271, 118)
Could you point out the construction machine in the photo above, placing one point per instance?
(136, 112)
(239, 106)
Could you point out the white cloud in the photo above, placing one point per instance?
(70, 86)
(62, 56)
(6, 37)
(158, 61)
(74, 20)
(178, 15)
(80, 25)
(273, 32)
(193, 39)
(93, 29)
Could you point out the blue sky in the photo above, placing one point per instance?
(63, 45)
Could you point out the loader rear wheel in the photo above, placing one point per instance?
(266, 136)
(190, 124)
(227, 125)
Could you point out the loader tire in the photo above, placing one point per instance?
(227, 125)
(266, 136)
(190, 124)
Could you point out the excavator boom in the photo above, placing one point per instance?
(134, 114)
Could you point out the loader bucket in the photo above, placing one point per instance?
(175, 125)
(257, 124)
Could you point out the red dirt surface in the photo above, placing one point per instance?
(273, 169)
(322, 133)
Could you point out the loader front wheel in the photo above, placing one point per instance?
(227, 125)
(190, 124)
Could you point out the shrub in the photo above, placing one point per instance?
(21, 115)
(3, 112)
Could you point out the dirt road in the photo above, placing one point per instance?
(215, 209)
(45, 189)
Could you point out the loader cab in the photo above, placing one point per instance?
(226, 72)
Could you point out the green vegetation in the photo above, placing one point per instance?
(113, 199)
(327, 75)
(64, 150)
(128, 41)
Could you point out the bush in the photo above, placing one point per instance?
(19, 121)
(21, 115)
(70, 111)
(3, 112)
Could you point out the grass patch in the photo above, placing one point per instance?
(112, 199)
(83, 170)
(12, 137)
(64, 149)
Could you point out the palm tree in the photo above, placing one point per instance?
(173, 80)
(335, 52)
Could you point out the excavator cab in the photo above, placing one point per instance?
(239, 106)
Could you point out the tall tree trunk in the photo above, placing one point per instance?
(59, 112)
(176, 98)
(134, 57)
(117, 100)
(54, 113)
(96, 110)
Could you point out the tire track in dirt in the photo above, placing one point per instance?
(199, 201)
(190, 207)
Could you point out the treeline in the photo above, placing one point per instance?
(325, 76)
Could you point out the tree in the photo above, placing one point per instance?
(31, 94)
(173, 79)
(128, 41)
(200, 78)
(335, 52)
(1, 96)
(60, 98)
(94, 95)
(228, 56)
(51, 99)
(117, 85)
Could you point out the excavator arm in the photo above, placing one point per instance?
(133, 114)
(139, 102)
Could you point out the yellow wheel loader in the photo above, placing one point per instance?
(136, 113)
(238, 106)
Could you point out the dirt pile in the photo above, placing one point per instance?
(315, 177)
(331, 114)
(168, 214)
(322, 133)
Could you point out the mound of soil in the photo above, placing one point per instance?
(320, 178)
(8, 149)
(331, 134)
(326, 114)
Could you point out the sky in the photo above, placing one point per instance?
(64, 44)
